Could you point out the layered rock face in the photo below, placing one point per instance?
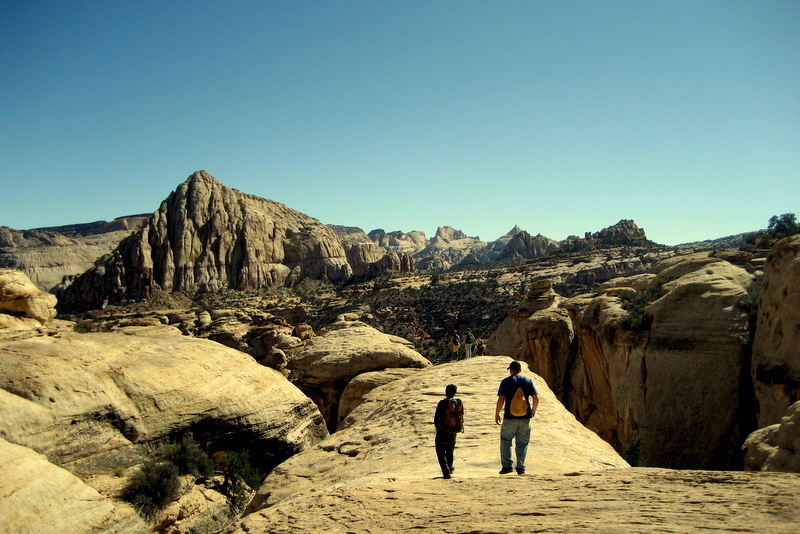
(677, 380)
(47, 255)
(776, 348)
(77, 408)
(206, 237)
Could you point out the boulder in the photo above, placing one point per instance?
(776, 447)
(776, 347)
(19, 296)
(342, 351)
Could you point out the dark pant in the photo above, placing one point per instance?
(445, 444)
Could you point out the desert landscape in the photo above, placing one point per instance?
(228, 364)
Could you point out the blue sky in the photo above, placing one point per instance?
(562, 117)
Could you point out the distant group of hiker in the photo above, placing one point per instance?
(517, 399)
(472, 347)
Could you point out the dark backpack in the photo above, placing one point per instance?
(454, 416)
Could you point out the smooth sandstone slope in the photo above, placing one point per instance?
(380, 475)
(390, 436)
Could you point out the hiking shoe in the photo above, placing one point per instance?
(506, 470)
(452, 469)
(446, 475)
(520, 471)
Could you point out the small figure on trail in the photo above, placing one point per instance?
(468, 341)
(518, 398)
(449, 421)
(479, 349)
(455, 343)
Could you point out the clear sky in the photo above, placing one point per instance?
(559, 116)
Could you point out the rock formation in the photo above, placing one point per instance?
(390, 436)
(47, 255)
(206, 237)
(328, 362)
(525, 246)
(670, 370)
(19, 297)
(776, 447)
(96, 403)
(776, 348)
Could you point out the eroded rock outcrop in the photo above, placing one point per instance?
(47, 255)
(206, 237)
(776, 347)
(776, 447)
(37, 496)
(671, 370)
(344, 350)
(95, 403)
(21, 298)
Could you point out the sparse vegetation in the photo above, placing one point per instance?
(187, 456)
(778, 227)
(637, 318)
(240, 477)
(152, 488)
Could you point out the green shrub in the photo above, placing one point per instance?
(152, 488)
(187, 456)
(239, 476)
(637, 318)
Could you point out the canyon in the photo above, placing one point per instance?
(321, 350)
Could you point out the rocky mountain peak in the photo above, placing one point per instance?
(206, 237)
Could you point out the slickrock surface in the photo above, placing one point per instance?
(380, 475)
(619, 501)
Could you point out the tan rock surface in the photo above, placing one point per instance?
(613, 501)
(390, 435)
(19, 296)
(93, 402)
(36, 496)
(381, 475)
(776, 347)
(344, 350)
(776, 447)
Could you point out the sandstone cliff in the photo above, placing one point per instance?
(47, 255)
(671, 370)
(776, 348)
(207, 237)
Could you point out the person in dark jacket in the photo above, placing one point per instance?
(447, 427)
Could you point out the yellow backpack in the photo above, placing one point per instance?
(519, 404)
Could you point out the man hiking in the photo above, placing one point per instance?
(518, 398)
(448, 420)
